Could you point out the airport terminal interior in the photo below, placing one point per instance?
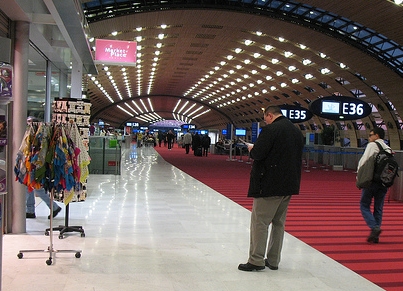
(149, 218)
(155, 227)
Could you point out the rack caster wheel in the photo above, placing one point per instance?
(61, 236)
(82, 234)
(47, 233)
(20, 255)
(49, 262)
(78, 255)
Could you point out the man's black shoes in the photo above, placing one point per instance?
(266, 262)
(249, 267)
(374, 235)
(56, 212)
(30, 215)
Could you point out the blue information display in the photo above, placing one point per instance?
(188, 126)
(340, 108)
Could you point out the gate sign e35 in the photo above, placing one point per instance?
(295, 113)
(340, 108)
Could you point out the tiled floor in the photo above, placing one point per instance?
(156, 228)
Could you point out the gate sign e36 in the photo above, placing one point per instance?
(340, 108)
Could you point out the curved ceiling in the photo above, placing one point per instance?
(220, 62)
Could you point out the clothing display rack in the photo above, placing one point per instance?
(50, 248)
(66, 228)
(49, 157)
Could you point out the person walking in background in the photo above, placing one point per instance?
(205, 143)
(170, 139)
(187, 141)
(375, 190)
(160, 137)
(196, 143)
(275, 177)
(30, 202)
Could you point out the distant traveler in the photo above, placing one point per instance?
(187, 141)
(205, 143)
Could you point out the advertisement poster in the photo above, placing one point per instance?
(6, 81)
(3, 143)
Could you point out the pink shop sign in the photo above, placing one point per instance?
(115, 51)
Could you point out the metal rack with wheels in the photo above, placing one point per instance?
(50, 248)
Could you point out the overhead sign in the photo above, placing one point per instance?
(340, 108)
(188, 126)
(115, 51)
(296, 114)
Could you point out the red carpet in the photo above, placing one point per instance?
(325, 215)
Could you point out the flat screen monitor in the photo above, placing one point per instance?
(330, 107)
(240, 132)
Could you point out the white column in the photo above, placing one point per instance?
(16, 214)
(76, 79)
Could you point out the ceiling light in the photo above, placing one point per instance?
(306, 62)
(281, 39)
(138, 38)
(254, 72)
(248, 42)
(161, 36)
(229, 57)
(163, 26)
(222, 63)
(259, 33)
(273, 88)
(283, 85)
(263, 67)
(268, 47)
(238, 50)
(292, 68)
(246, 61)
(288, 54)
(295, 81)
(275, 61)
(114, 33)
(325, 71)
(343, 66)
(302, 46)
(308, 76)
(322, 55)
(256, 55)
(159, 45)
(139, 28)
(279, 73)
(269, 78)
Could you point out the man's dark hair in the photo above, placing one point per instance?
(272, 109)
(379, 131)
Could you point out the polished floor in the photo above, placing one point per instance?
(156, 228)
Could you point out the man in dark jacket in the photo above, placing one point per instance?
(275, 176)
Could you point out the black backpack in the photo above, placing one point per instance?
(386, 167)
